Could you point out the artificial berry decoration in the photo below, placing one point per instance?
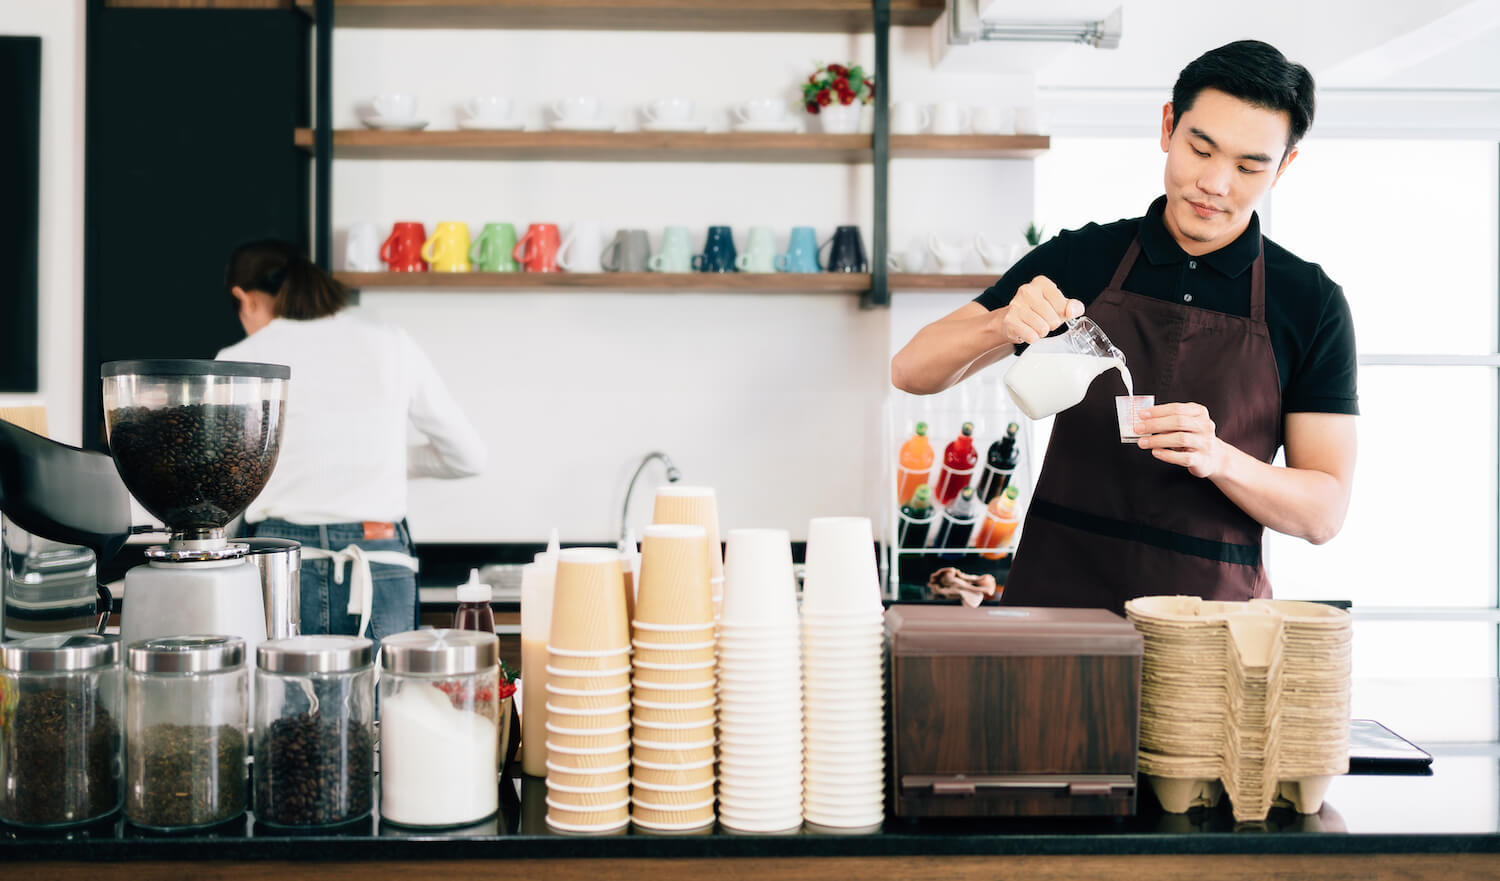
(845, 83)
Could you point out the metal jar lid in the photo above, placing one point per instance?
(441, 652)
(186, 654)
(60, 652)
(315, 654)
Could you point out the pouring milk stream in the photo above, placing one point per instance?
(1054, 374)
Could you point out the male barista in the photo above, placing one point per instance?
(1245, 346)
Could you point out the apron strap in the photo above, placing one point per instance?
(361, 583)
(1258, 285)
(1126, 263)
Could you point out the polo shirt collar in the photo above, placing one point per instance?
(1161, 249)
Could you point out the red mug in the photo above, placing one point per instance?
(537, 250)
(402, 251)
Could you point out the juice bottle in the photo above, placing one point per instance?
(957, 522)
(474, 611)
(999, 465)
(1000, 521)
(915, 522)
(959, 459)
(914, 466)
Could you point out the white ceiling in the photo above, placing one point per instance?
(1347, 44)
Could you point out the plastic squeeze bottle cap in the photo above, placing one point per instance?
(474, 590)
(968, 428)
(921, 428)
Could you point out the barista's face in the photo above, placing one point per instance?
(1223, 156)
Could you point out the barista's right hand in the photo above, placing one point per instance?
(1037, 309)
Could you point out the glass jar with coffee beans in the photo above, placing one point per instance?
(60, 702)
(314, 730)
(185, 716)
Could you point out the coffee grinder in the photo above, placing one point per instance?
(194, 442)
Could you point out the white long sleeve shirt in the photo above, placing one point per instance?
(357, 386)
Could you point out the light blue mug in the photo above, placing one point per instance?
(676, 254)
(801, 252)
(760, 251)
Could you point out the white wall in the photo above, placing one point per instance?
(60, 271)
(775, 400)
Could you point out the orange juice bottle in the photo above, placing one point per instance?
(1000, 522)
(915, 464)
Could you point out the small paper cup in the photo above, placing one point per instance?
(673, 757)
(596, 662)
(675, 692)
(673, 633)
(1126, 408)
(571, 818)
(577, 699)
(572, 718)
(693, 777)
(588, 680)
(592, 778)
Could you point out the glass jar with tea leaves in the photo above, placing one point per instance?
(439, 736)
(314, 730)
(185, 715)
(60, 702)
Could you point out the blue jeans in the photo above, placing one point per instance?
(394, 604)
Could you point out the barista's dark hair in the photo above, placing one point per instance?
(300, 289)
(1254, 72)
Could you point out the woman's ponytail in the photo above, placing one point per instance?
(301, 291)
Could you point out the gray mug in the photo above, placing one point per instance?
(629, 252)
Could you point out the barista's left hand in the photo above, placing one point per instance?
(1182, 434)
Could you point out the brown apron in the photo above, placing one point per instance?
(1109, 521)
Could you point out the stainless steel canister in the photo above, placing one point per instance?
(279, 561)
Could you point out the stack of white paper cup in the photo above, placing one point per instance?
(844, 688)
(675, 684)
(588, 694)
(760, 685)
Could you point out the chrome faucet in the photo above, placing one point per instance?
(673, 475)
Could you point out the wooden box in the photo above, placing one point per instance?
(1002, 711)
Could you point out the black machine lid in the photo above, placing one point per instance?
(193, 367)
(63, 493)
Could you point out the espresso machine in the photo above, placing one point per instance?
(194, 442)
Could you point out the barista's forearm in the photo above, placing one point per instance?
(947, 351)
(1302, 502)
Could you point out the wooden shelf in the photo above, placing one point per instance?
(907, 281)
(634, 282)
(786, 16)
(665, 146)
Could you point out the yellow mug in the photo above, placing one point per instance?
(448, 248)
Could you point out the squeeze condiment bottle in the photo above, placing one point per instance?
(474, 611)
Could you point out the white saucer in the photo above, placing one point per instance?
(395, 125)
(509, 125)
(674, 126)
(785, 125)
(595, 125)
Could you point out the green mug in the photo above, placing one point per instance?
(491, 252)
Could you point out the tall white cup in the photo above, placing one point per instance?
(841, 576)
(582, 247)
(949, 118)
(908, 118)
(362, 249)
(760, 589)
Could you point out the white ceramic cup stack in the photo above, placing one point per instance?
(760, 685)
(843, 682)
(675, 682)
(588, 694)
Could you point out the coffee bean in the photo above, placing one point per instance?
(313, 771)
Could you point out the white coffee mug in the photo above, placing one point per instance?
(993, 120)
(1028, 121)
(396, 107)
(362, 248)
(488, 109)
(761, 111)
(950, 258)
(949, 118)
(996, 257)
(579, 109)
(668, 111)
(582, 247)
(908, 118)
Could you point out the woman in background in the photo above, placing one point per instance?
(358, 386)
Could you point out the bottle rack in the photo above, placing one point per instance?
(983, 401)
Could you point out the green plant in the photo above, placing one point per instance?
(1034, 234)
(844, 83)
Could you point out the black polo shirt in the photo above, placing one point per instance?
(1312, 332)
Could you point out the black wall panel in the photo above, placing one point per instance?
(20, 153)
(190, 117)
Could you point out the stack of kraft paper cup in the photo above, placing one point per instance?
(675, 683)
(698, 506)
(760, 685)
(588, 695)
(843, 681)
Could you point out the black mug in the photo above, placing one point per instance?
(848, 251)
(718, 252)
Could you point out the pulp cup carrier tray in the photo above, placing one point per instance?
(1245, 698)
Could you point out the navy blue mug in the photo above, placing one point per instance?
(718, 252)
(848, 251)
